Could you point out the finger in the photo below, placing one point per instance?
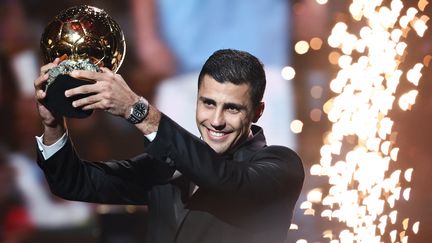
(41, 81)
(106, 70)
(88, 75)
(112, 75)
(95, 106)
(83, 89)
(93, 102)
(40, 95)
(86, 101)
(48, 66)
(44, 69)
(101, 104)
(109, 73)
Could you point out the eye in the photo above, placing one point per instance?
(208, 103)
(233, 109)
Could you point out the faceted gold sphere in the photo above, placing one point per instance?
(84, 33)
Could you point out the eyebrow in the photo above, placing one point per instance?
(207, 100)
(225, 105)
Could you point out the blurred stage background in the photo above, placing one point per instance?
(296, 114)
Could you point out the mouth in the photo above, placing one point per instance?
(216, 135)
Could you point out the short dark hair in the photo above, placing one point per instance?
(237, 67)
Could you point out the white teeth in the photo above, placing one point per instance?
(216, 134)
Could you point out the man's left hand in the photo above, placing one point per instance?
(111, 93)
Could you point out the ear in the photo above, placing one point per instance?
(258, 111)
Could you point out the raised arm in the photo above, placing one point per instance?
(54, 126)
(124, 182)
(109, 182)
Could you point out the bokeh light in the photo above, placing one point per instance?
(296, 126)
(301, 47)
(316, 43)
(288, 73)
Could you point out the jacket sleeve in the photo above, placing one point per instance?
(110, 182)
(271, 172)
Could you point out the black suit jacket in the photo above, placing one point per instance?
(245, 195)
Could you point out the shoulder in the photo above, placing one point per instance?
(285, 159)
(281, 152)
(281, 165)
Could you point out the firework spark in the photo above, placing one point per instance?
(360, 148)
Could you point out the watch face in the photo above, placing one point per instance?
(139, 112)
(140, 109)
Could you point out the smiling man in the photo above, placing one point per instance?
(228, 186)
(224, 113)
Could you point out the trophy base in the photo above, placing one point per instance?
(59, 104)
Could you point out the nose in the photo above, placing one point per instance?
(218, 119)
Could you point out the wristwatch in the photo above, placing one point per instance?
(139, 111)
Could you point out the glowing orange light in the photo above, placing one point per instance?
(315, 43)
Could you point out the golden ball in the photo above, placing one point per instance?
(84, 33)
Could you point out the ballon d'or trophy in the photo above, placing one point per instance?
(84, 38)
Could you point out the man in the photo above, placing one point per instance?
(228, 186)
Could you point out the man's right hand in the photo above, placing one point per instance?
(54, 126)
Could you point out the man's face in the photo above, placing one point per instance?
(224, 113)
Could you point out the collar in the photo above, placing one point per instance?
(255, 141)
